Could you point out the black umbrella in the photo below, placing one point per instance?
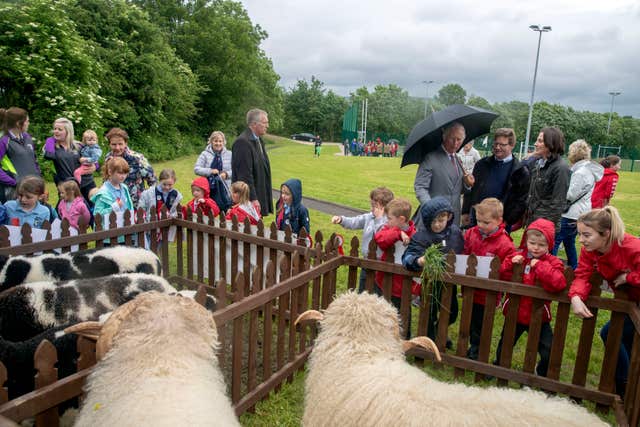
(426, 136)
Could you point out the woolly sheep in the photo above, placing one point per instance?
(158, 367)
(358, 376)
(17, 270)
(30, 309)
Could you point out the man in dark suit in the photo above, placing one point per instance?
(250, 163)
(501, 176)
(441, 174)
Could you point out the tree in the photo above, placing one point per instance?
(49, 69)
(451, 94)
(478, 101)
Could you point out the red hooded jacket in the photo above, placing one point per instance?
(549, 271)
(624, 258)
(497, 244)
(386, 238)
(604, 189)
(208, 204)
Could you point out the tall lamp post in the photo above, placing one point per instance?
(426, 99)
(539, 29)
(613, 96)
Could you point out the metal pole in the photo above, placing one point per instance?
(613, 96)
(426, 99)
(540, 30)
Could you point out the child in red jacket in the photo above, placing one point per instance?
(242, 207)
(201, 199)
(487, 238)
(396, 232)
(540, 266)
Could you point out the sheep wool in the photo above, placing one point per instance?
(18, 270)
(358, 376)
(162, 368)
(30, 309)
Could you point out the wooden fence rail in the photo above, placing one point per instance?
(260, 348)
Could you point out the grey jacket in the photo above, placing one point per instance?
(437, 176)
(584, 175)
(203, 164)
(369, 225)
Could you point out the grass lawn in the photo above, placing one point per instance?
(348, 180)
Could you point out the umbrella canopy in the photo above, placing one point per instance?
(426, 136)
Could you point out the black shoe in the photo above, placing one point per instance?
(449, 344)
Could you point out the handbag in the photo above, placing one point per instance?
(568, 204)
(219, 192)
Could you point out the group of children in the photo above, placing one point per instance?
(389, 223)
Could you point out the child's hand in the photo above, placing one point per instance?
(215, 171)
(83, 160)
(336, 220)
(620, 280)
(534, 262)
(200, 200)
(378, 211)
(517, 259)
(421, 261)
(405, 238)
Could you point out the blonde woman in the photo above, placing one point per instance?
(215, 159)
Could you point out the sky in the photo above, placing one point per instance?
(485, 46)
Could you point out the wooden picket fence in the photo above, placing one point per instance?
(261, 348)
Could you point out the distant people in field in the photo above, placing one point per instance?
(584, 176)
(250, 162)
(140, 175)
(64, 151)
(606, 187)
(17, 151)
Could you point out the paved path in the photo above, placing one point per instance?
(325, 206)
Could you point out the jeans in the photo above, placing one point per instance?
(567, 236)
(434, 308)
(622, 368)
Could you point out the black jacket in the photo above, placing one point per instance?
(548, 191)
(250, 163)
(515, 193)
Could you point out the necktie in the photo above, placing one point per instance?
(454, 163)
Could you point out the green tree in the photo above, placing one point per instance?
(478, 101)
(451, 94)
(49, 69)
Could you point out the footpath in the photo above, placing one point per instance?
(324, 206)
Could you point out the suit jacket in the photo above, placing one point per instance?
(437, 176)
(250, 163)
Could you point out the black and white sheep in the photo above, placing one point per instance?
(358, 376)
(157, 366)
(18, 270)
(30, 309)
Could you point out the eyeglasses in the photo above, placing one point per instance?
(497, 144)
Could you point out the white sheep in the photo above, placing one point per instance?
(358, 376)
(18, 270)
(158, 367)
(30, 309)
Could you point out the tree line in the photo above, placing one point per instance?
(171, 71)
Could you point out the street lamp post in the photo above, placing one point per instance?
(426, 99)
(613, 96)
(539, 29)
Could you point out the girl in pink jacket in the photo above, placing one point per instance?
(72, 205)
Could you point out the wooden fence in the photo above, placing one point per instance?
(261, 348)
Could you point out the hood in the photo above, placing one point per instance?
(202, 182)
(431, 208)
(295, 186)
(544, 226)
(609, 171)
(595, 168)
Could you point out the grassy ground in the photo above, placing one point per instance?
(348, 180)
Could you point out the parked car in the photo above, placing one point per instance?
(304, 137)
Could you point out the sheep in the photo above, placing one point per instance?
(157, 367)
(17, 270)
(358, 376)
(30, 309)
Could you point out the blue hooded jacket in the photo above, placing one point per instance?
(297, 215)
(450, 238)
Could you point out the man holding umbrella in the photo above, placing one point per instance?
(441, 174)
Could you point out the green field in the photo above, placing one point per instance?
(348, 180)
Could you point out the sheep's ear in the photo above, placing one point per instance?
(423, 342)
(89, 330)
(309, 316)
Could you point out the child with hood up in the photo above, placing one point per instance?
(542, 267)
(290, 210)
(439, 227)
(201, 199)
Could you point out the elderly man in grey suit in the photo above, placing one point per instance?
(441, 174)
(250, 163)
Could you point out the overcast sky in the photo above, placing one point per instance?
(485, 46)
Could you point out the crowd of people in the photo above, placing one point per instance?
(371, 148)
